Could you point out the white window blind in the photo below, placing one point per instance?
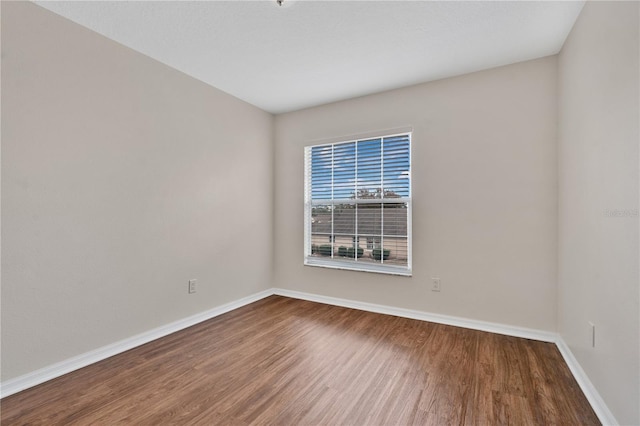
(358, 204)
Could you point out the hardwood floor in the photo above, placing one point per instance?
(284, 361)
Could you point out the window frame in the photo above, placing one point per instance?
(338, 263)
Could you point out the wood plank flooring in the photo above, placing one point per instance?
(283, 361)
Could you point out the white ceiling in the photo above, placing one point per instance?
(308, 53)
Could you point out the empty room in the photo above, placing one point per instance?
(320, 212)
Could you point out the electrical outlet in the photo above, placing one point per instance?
(192, 286)
(435, 284)
(592, 328)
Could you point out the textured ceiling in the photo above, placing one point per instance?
(309, 53)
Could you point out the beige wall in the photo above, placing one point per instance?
(598, 220)
(484, 187)
(121, 179)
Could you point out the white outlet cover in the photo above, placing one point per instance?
(435, 284)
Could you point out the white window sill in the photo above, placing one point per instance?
(358, 266)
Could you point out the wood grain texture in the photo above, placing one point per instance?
(283, 361)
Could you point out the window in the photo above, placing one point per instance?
(373, 243)
(354, 189)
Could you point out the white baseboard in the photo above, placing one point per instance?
(42, 375)
(597, 403)
(9, 387)
(527, 333)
